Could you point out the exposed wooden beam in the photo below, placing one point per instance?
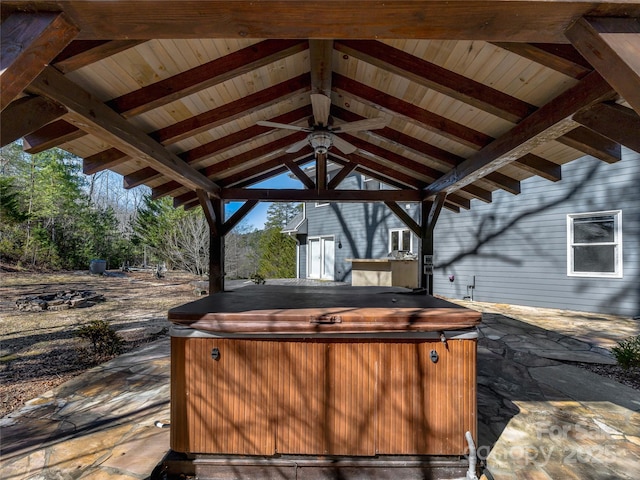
(238, 215)
(386, 172)
(451, 207)
(539, 166)
(500, 180)
(437, 78)
(300, 175)
(204, 121)
(265, 170)
(592, 143)
(28, 42)
(231, 111)
(209, 212)
(321, 61)
(289, 195)
(165, 189)
(423, 118)
(344, 172)
(25, 115)
(219, 168)
(612, 46)
(81, 53)
(461, 202)
(404, 217)
(51, 135)
(559, 57)
(619, 123)
(547, 123)
(216, 250)
(103, 161)
(103, 122)
(236, 139)
(204, 76)
(139, 177)
(490, 20)
(220, 145)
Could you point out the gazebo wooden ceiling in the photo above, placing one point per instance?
(476, 95)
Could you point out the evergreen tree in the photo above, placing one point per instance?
(278, 250)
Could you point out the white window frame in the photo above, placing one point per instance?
(400, 230)
(617, 244)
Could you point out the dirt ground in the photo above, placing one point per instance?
(40, 350)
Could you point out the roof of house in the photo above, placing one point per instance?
(473, 95)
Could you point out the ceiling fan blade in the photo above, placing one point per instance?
(366, 124)
(342, 145)
(297, 128)
(321, 105)
(296, 147)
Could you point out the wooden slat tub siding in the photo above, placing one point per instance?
(322, 397)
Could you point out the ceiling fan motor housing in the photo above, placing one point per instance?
(320, 141)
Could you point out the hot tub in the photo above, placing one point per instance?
(361, 374)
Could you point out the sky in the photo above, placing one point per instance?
(258, 215)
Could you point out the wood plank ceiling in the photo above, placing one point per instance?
(475, 95)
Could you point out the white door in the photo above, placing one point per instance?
(321, 258)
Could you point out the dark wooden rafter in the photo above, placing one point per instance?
(562, 58)
(204, 76)
(230, 111)
(592, 143)
(28, 42)
(218, 146)
(160, 93)
(443, 159)
(25, 115)
(404, 217)
(50, 136)
(617, 122)
(500, 180)
(265, 170)
(415, 167)
(103, 122)
(103, 160)
(611, 45)
(547, 123)
(421, 117)
(81, 53)
(437, 78)
(271, 148)
(497, 179)
(539, 166)
(374, 165)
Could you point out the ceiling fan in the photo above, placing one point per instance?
(322, 134)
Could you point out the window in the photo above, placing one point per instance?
(595, 244)
(400, 239)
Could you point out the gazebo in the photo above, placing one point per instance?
(441, 101)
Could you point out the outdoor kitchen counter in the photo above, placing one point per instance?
(262, 309)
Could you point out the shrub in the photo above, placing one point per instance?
(627, 352)
(105, 341)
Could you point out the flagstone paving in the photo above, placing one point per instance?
(539, 418)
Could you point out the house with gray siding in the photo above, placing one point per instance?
(572, 244)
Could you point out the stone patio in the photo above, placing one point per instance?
(539, 418)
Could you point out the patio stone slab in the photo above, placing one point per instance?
(576, 356)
